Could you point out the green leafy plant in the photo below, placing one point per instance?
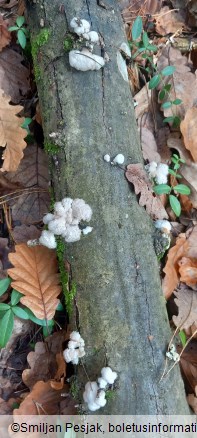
(21, 31)
(179, 188)
(13, 308)
(140, 44)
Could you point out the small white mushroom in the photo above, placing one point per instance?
(87, 230)
(91, 36)
(80, 26)
(107, 158)
(47, 238)
(119, 159)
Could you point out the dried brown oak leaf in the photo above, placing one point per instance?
(14, 76)
(35, 275)
(186, 301)
(5, 35)
(32, 172)
(188, 128)
(186, 246)
(169, 21)
(11, 134)
(138, 177)
(42, 400)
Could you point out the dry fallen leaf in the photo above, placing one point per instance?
(186, 246)
(33, 172)
(35, 275)
(14, 76)
(186, 301)
(42, 400)
(138, 177)
(188, 128)
(169, 21)
(183, 81)
(44, 362)
(23, 233)
(11, 134)
(188, 271)
(5, 35)
(192, 400)
(188, 364)
(131, 8)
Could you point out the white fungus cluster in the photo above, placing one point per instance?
(68, 213)
(159, 171)
(75, 349)
(119, 159)
(84, 59)
(94, 394)
(163, 225)
(172, 354)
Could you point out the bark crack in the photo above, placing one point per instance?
(150, 342)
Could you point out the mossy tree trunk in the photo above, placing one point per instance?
(120, 310)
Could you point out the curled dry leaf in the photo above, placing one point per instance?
(188, 128)
(36, 276)
(185, 246)
(14, 76)
(186, 301)
(184, 82)
(5, 35)
(11, 134)
(188, 271)
(41, 400)
(138, 177)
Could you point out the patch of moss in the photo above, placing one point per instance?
(51, 148)
(110, 394)
(74, 389)
(68, 43)
(69, 294)
(36, 43)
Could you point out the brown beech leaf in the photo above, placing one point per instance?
(14, 76)
(186, 301)
(188, 128)
(138, 177)
(11, 134)
(33, 172)
(188, 364)
(5, 35)
(35, 275)
(42, 400)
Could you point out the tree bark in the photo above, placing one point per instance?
(120, 310)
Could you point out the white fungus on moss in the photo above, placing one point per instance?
(172, 354)
(163, 225)
(65, 221)
(92, 36)
(75, 348)
(119, 159)
(47, 238)
(94, 394)
(102, 383)
(84, 60)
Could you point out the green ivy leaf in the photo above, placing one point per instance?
(175, 205)
(182, 337)
(21, 38)
(162, 188)
(20, 21)
(183, 189)
(155, 80)
(168, 119)
(177, 102)
(169, 70)
(4, 285)
(166, 105)
(6, 327)
(21, 313)
(162, 94)
(15, 297)
(4, 306)
(145, 39)
(137, 28)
